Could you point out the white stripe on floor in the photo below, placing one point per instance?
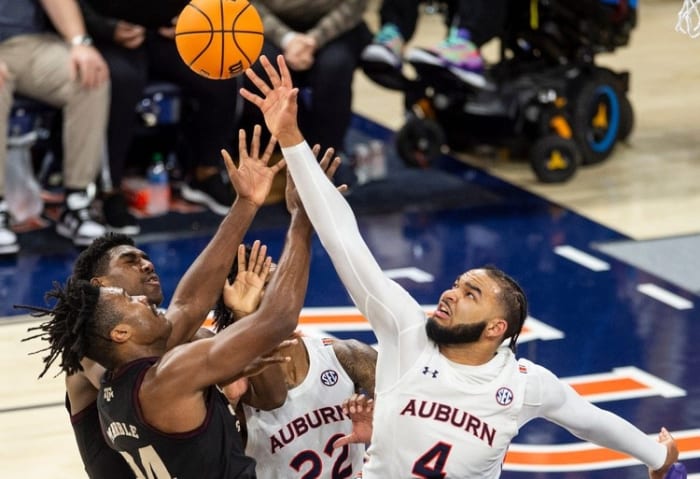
(664, 296)
(584, 259)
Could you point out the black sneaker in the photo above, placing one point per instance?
(118, 219)
(77, 223)
(212, 192)
(8, 239)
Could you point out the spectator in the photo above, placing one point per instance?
(322, 41)
(471, 23)
(137, 41)
(61, 68)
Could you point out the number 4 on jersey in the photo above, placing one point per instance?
(432, 464)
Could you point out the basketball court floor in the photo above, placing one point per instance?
(619, 323)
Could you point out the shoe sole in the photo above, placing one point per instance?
(77, 240)
(129, 230)
(477, 80)
(196, 196)
(9, 249)
(379, 54)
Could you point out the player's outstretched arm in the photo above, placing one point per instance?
(565, 407)
(201, 285)
(186, 370)
(383, 301)
(268, 390)
(670, 469)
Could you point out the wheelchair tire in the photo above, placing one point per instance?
(419, 142)
(626, 119)
(597, 116)
(554, 159)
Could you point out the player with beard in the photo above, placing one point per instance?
(450, 394)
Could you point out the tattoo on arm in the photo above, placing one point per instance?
(359, 361)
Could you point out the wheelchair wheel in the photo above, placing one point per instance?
(419, 142)
(554, 159)
(597, 117)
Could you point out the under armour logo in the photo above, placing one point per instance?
(427, 371)
(108, 394)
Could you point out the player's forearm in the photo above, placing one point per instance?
(336, 226)
(284, 296)
(331, 216)
(276, 318)
(267, 390)
(603, 428)
(201, 285)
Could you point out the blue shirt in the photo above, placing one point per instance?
(21, 17)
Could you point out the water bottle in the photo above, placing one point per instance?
(361, 163)
(377, 160)
(22, 190)
(158, 187)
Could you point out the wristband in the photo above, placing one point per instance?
(81, 40)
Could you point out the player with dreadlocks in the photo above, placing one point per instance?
(86, 323)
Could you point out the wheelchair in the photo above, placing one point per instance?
(545, 98)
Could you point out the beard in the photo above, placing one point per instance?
(460, 334)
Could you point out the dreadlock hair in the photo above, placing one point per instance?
(93, 261)
(514, 302)
(73, 325)
(223, 316)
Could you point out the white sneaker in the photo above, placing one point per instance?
(386, 48)
(8, 239)
(77, 223)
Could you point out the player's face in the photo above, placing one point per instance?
(465, 310)
(138, 311)
(131, 269)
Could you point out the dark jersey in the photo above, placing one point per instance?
(101, 462)
(213, 450)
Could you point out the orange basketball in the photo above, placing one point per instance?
(219, 39)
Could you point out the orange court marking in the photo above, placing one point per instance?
(589, 388)
(586, 453)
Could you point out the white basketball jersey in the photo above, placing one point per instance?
(296, 439)
(434, 425)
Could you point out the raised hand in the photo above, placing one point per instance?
(252, 179)
(243, 296)
(277, 100)
(360, 409)
(667, 440)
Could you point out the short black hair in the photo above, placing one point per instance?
(93, 261)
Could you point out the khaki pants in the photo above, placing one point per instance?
(39, 68)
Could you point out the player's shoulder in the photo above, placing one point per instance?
(527, 366)
(352, 348)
